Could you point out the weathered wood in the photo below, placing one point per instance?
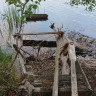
(37, 17)
(52, 44)
(62, 92)
(72, 57)
(84, 76)
(41, 33)
(63, 57)
(17, 50)
(61, 47)
(55, 84)
(21, 60)
(40, 43)
(19, 64)
(64, 42)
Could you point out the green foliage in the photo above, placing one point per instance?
(90, 4)
(25, 8)
(5, 61)
(1, 93)
(12, 17)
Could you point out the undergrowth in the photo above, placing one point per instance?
(6, 83)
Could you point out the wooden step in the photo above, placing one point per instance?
(37, 17)
(64, 91)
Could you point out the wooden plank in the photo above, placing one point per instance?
(62, 91)
(39, 43)
(37, 17)
(72, 57)
(41, 33)
(84, 76)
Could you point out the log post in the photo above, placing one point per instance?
(19, 63)
(63, 41)
(21, 60)
(72, 57)
(55, 84)
(61, 44)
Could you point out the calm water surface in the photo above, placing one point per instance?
(73, 18)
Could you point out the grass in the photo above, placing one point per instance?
(6, 83)
(12, 17)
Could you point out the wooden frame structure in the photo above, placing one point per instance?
(65, 51)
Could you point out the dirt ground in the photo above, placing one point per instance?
(91, 75)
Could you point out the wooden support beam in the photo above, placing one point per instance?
(41, 33)
(17, 50)
(37, 17)
(39, 43)
(20, 61)
(72, 57)
(84, 76)
(55, 84)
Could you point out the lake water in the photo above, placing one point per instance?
(73, 18)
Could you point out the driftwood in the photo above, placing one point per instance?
(37, 17)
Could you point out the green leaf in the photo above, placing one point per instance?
(18, 5)
(24, 22)
(18, 10)
(37, 2)
(27, 1)
(35, 6)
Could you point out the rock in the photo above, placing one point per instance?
(25, 88)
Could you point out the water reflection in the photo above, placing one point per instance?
(90, 4)
(72, 18)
